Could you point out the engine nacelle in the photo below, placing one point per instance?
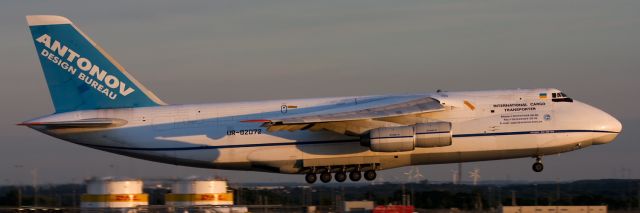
(407, 138)
(434, 134)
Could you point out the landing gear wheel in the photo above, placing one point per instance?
(310, 178)
(325, 177)
(340, 176)
(355, 176)
(537, 167)
(370, 175)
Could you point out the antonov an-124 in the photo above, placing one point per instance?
(100, 105)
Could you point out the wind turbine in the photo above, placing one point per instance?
(414, 175)
(454, 176)
(418, 175)
(475, 175)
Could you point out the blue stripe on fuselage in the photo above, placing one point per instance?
(329, 142)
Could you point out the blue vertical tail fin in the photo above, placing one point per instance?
(79, 73)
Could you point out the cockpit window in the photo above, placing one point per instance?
(560, 97)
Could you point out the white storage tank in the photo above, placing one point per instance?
(197, 191)
(112, 192)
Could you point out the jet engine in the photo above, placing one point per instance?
(407, 138)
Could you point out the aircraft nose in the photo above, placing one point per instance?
(609, 126)
(609, 123)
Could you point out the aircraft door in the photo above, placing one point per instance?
(546, 118)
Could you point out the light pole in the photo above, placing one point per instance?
(18, 167)
(536, 191)
(638, 196)
(34, 175)
(8, 182)
(73, 188)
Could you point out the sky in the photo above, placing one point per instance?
(237, 50)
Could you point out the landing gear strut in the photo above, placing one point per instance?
(340, 176)
(537, 166)
(370, 175)
(311, 178)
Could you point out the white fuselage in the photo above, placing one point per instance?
(486, 125)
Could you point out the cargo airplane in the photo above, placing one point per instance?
(100, 105)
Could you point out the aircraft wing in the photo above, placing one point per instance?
(357, 118)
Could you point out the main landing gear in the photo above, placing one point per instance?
(370, 175)
(355, 176)
(537, 166)
(310, 178)
(340, 176)
(325, 177)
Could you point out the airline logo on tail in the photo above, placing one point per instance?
(90, 73)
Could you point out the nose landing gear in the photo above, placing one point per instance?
(537, 166)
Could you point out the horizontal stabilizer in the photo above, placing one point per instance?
(83, 123)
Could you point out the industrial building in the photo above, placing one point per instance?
(554, 209)
(191, 194)
(112, 192)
